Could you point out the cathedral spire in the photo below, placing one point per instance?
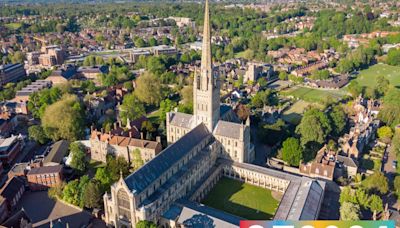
(206, 47)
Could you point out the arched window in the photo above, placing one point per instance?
(124, 206)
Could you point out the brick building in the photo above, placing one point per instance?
(9, 148)
(41, 178)
(11, 73)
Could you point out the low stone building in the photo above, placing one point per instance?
(103, 144)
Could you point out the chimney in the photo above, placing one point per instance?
(158, 139)
(102, 131)
(130, 134)
(141, 135)
(115, 125)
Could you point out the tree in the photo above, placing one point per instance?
(137, 159)
(283, 75)
(390, 111)
(393, 57)
(78, 160)
(377, 182)
(131, 108)
(166, 106)
(71, 192)
(385, 133)
(145, 224)
(382, 85)
(92, 195)
(292, 152)
(149, 89)
(375, 203)
(314, 127)
(349, 212)
(37, 133)
(396, 184)
(243, 112)
(354, 88)
(152, 42)
(338, 119)
(64, 119)
(347, 195)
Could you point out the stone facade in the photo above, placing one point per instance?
(103, 144)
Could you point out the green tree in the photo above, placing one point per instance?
(338, 119)
(347, 195)
(349, 212)
(78, 160)
(137, 159)
(375, 203)
(377, 182)
(314, 127)
(283, 75)
(131, 108)
(292, 152)
(149, 89)
(64, 119)
(393, 57)
(153, 42)
(92, 195)
(37, 133)
(166, 106)
(390, 111)
(385, 133)
(354, 88)
(145, 224)
(396, 184)
(71, 192)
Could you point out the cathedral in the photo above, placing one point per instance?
(204, 147)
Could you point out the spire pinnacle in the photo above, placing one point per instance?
(206, 47)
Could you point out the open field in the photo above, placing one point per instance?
(294, 113)
(314, 95)
(368, 77)
(243, 200)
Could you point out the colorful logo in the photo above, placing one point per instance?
(317, 224)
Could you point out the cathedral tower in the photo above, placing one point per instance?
(206, 87)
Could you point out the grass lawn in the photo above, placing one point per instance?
(314, 95)
(13, 26)
(241, 199)
(294, 113)
(368, 77)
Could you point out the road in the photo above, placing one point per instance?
(390, 173)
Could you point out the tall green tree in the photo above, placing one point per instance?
(314, 127)
(131, 108)
(78, 160)
(149, 89)
(292, 152)
(349, 212)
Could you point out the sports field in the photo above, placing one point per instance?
(314, 95)
(368, 77)
(13, 26)
(241, 199)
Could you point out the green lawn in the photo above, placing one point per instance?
(368, 77)
(314, 95)
(294, 113)
(241, 199)
(13, 26)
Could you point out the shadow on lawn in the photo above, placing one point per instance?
(220, 200)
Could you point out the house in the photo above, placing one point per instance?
(41, 178)
(92, 73)
(333, 83)
(323, 166)
(57, 153)
(10, 147)
(63, 75)
(12, 192)
(345, 165)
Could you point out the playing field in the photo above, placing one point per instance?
(314, 95)
(243, 200)
(368, 77)
(13, 26)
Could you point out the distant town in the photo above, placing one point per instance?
(198, 114)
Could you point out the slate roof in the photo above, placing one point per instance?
(192, 214)
(228, 129)
(181, 119)
(148, 173)
(45, 170)
(346, 161)
(11, 188)
(57, 152)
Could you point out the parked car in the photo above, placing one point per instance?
(394, 164)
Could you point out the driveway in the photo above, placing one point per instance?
(42, 210)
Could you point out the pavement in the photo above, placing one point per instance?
(42, 211)
(388, 169)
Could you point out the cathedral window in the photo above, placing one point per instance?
(123, 204)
